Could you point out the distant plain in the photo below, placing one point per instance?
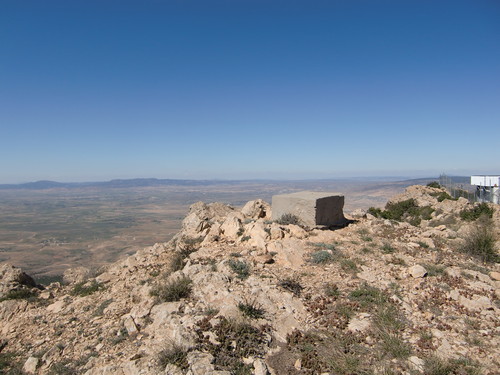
(47, 231)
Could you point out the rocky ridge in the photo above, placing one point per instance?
(235, 293)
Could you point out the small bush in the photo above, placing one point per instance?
(477, 211)
(239, 267)
(286, 219)
(85, 288)
(377, 212)
(322, 245)
(321, 257)
(433, 269)
(348, 265)
(9, 364)
(177, 262)
(437, 366)
(367, 295)
(480, 242)
(19, 294)
(394, 345)
(441, 196)
(387, 249)
(100, 310)
(292, 286)
(172, 291)
(175, 355)
(251, 310)
(434, 184)
(422, 244)
(407, 210)
(237, 340)
(332, 290)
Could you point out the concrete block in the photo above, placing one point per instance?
(311, 207)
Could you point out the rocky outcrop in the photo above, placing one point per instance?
(235, 292)
(14, 279)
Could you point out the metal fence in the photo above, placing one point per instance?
(457, 187)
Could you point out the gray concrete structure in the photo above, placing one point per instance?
(311, 207)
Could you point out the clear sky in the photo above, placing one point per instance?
(95, 90)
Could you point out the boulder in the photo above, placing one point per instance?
(76, 275)
(417, 271)
(201, 214)
(12, 278)
(257, 209)
(232, 227)
(30, 365)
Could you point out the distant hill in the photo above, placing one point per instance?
(155, 182)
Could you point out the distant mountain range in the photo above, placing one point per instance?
(128, 183)
(154, 182)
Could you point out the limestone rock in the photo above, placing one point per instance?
(296, 231)
(30, 365)
(416, 363)
(13, 278)
(359, 323)
(200, 214)
(495, 275)
(417, 271)
(260, 367)
(258, 235)
(232, 227)
(130, 325)
(76, 275)
(257, 209)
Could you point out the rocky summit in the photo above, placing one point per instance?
(410, 289)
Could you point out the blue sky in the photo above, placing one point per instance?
(95, 90)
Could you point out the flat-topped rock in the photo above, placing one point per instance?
(311, 207)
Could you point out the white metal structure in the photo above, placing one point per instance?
(487, 188)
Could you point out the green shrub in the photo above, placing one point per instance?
(251, 310)
(292, 286)
(434, 184)
(463, 366)
(477, 211)
(321, 257)
(433, 269)
(407, 210)
(175, 355)
(348, 265)
(441, 196)
(85, 288)
(19, 294)
(332, 290)
(177, 262)
(322, 245)
(172, 291)
(387, 249)
(286, 219)
(377, 212)
(480, 242)
(394, 345)
(368, 295)
(237, 340)
(9, 364)
(239, 267)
